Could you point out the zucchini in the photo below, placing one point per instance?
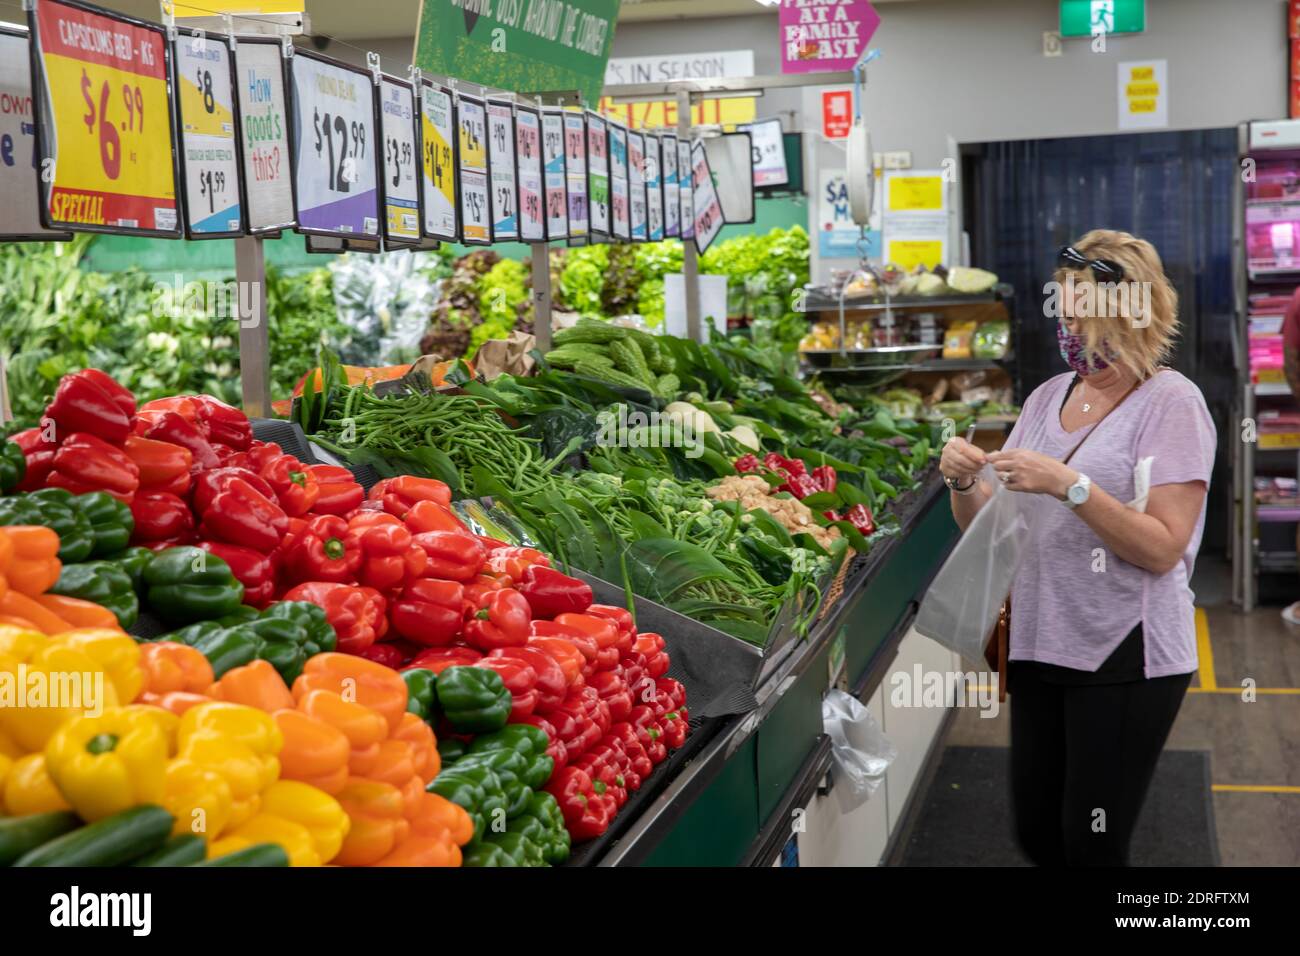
(260, 854)
(19, 835)
(184, 849)
(112, 841)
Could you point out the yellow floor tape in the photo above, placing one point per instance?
(1204, 652)
(1250, 788)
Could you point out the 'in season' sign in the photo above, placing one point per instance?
(819, 36)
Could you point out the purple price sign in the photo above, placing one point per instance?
(824, 36)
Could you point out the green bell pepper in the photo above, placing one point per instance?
(240, 615)
(227, 647)
(189, 584)
(319, 633)
(103, 582)
(283, 643)
(544, 812)
(450, 749)
(486, 854)
(186, 635)
(13, 466)
(518, 847)
(510, 768)
(422, 696)
(76, 539)
(529, 742)
(133, 561)
(473, 699)
(110, 520)
(477, 791)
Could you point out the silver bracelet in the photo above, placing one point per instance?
(967, 489)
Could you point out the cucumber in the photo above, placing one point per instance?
(184, 849)
(19, 835)
(112, 841)
(260, 854)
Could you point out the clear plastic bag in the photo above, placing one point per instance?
(962, 604)
(859, 749)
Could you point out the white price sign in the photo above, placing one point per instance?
(618, 194)
(768, 153)
(20, 211)
(528, 152)
(597, 175)
(672, 189)
(687, 192)
(438, 162)
(205, 99)
(708, 210)
(476, 226)
(557, 200)
(264, 129)
(654, 189)
(401, 188)
(636, 185)
(335, 173)
(501, 159)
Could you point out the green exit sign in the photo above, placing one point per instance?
(1085, 18)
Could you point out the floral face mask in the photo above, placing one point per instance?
(1076, 356)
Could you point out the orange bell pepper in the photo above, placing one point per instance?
(422, 850)
(420, 736)
(566, 655)
(256, 684)
(170, 666)
(437, 814)
(16, 604)
(378, 823)
(362, 726)
(77, 612)
(176, 701)
(314, 752)
(393, 761)
(30, 559)
(372, 685)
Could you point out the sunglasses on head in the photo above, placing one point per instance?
(1074, 259)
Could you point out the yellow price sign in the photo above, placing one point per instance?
(215, 8)
(104, 81)
(915, 194)
(907, 254)
(439, 171)
(663, 113)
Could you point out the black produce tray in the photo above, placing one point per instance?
(288, 435)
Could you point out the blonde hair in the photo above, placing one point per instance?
(1136, 321)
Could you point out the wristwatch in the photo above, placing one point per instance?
(961, 489)
(1078, 492)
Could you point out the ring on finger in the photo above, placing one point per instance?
(1005, 477)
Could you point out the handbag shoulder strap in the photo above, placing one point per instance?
(1131, 389)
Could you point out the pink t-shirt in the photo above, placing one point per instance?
(1074, 600)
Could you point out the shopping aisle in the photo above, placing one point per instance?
(1250, 746)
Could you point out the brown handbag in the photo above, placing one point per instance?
(998, 648)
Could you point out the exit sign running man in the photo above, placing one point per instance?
(1088, 18)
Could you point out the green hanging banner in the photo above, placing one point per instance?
(527, 46)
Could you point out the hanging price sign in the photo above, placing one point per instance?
(264, 129)
(686, 194)
(437, 150)
(708, 210)
(472, 141)
(528, 159)
(335, 142)
(20, 213)
(768, 153)
(105, 121)
(636, 185)
(553, 171)
(597, 176)
(205, 105)
(620, 215)
(401, 187)
(672, 188)
(654, 189)
(501, 160)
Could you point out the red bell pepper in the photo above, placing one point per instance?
(502, 620)
(614, 691)
(550, 592)
(584, 643)
(490, 544)
(453, 555)
(390, 558)
(552, 688)
(556, 751)
(319, 551)
(520, 679)
(483, 584)
(182, 405)
(825, 477)
(565, 654)
(295, 487)
(586, 813)
(169, 426)
(339, 492)
(86, 463)
(779, 464)
(602, 630)
(239, 514)
(39, 449)
(81, 404)
(399, 495)
(674, 728)
(801, 486)
(385, 653)
(746, 464)
(438, 659)
(357, 614)
(224, 424)
(567, 728)
(512, 561)
(425, 516)
(162, 465)
(209, 483)
(622, 619)
(253, 569)
(832, 515)
(640, 761)
(585, 706)
(122, 396)
(652, 646)
(673, 691)
(631, 667)
(861, 518)
(255, 457)
(605, 775)
(160, 516)
(648, 732)
(430, 612)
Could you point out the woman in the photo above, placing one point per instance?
(1103, 635)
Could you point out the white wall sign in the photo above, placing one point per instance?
(1143, 94)
(678, 66)
(401, 188)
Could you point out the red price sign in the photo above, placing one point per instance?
(837, 113)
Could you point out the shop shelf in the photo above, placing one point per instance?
(825, 303)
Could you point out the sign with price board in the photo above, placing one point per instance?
(335, 172)
(104, 121)
(575, 174)
(654, 189)
(672, 187)
(472, 152)
(206, 114)
(401, 187)
(438, 155)
(553, 172)
(619, 214)
(637, 206)
(708, 210)
(528, 168)
(597, 176)
(686, 194)
(768, 153)
(264, 135)
(20, 212)
(503, 184)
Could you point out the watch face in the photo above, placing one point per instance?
(1078, 493)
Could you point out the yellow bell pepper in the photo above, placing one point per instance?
(238, 742)
(168, 722)
(8, 747)
(29, 789)
(295, 838)
(43, 686)
(117, 654)
(315, 809)
(198, 797)
(19, 643)
(6, 764)
(104, 765)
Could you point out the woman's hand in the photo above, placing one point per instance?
(961, 459)
(1033, 472)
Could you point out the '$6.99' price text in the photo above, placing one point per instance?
(98, 121)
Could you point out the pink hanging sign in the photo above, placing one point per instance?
(825, 36)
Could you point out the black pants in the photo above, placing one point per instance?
(1081, 761)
